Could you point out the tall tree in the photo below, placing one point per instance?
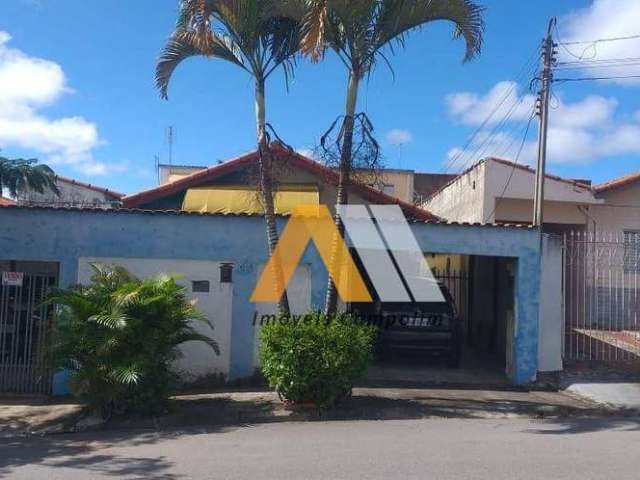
(18, 175)
(358, 31)
(257, 36)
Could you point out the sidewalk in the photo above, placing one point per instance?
(240, 408)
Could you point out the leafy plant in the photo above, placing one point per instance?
(316, 358)
(119, 335)
(16, 175)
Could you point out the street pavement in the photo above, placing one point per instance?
(617, 394)
(581, 449)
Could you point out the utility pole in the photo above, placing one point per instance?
(548, 57)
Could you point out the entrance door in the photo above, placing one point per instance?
(24, 325)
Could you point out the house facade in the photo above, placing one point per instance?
(499, 191)
(73, 193)
(219, 251)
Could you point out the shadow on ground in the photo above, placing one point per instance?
(580, 425)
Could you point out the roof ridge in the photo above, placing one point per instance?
(617, 182)
(90, 186)
(192, 180)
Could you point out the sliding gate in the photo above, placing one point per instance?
(602, 296)
(24, 326)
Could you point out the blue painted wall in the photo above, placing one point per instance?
(65, 235)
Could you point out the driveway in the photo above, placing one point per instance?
(579, 449)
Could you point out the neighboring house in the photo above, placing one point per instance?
(170, 173)
(499, 191)
(620, 211)
(406, 185)
(5, 202)
(426, 184)
(73, 193)
(231, 188)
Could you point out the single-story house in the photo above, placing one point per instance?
(184, 227)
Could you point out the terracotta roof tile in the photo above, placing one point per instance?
(5, 202)
(294, 159)
(617, 183)
(95, 188)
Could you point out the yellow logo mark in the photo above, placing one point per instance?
(311, 223)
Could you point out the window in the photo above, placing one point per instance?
(200, 286)
(389, 189)
(632, 251)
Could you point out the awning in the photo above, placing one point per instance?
(245, 200)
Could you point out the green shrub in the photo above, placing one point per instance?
(315, 359)
(118, 337)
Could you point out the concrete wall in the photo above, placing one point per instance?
(64, 236)
(620, 212)
(493, 191)
(71, 194)
(518, 210)
(463, 200)
(198, 360)
(551, 334)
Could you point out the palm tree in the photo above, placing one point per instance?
(257, 36)
(358, 31)
(19, 174)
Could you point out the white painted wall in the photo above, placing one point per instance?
(550, 331)
(71, 194)
(621, 210)
(198, 359)
(494, 191)
(463, 199)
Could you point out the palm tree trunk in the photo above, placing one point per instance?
(343, 183)
(266, 190)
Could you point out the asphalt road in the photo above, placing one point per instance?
(422, 449)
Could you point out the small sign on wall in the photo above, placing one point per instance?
(12, 279)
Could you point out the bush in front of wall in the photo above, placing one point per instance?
(314, 358)
(118, 337)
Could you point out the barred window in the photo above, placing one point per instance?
(632, 251)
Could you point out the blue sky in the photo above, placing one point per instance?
(84, 100)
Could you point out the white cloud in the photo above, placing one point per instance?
(27, 85)
(399, 137)
(307, 152)
(603, 19)
(579, 132)
(504, 98)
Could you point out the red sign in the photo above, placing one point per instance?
(12, 279)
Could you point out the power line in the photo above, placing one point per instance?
(599, 40)
(585, 79)
(513, 168)
(524, 72)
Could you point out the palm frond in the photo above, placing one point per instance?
(398, 17)
(189, 44)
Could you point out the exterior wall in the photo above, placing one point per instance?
(517, 210)
(463, 200)
(551, 334)
(400, 180)
(493, 191)
(64, 236)
(620, 212)
(71, 194)
(198, 360)
(171, 173)
(516, 203)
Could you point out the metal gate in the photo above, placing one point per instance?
(601, 301)
(24, 325)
